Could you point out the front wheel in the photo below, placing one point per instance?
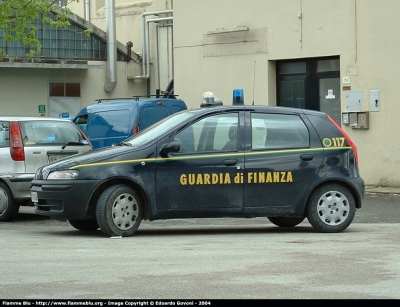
(282, 221)
(331, 208)
(119, 211)
(8, 207)
(84, 225)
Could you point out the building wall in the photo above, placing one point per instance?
(23, 89)
(128, 15)
(363, 33)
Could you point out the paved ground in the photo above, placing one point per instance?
(206, 259)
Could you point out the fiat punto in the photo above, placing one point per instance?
(242, 161)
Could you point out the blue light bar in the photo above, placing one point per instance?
(238, 96)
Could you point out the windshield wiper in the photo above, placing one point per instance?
(122, 144)
(72, 144)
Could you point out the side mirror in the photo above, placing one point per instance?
(170, 147)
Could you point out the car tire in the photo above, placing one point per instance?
(84, 225)
(8, 206)
(283, 221)
(119, 211)
(331, 208)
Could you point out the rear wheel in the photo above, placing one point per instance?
(119, 211)
(8, 207)
(84, 225)
(331, 208)
(286, 221)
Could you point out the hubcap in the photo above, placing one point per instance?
(3, 201)
(125, 211)
(333, 208)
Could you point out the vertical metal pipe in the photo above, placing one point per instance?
(111, 83)
(87, 10)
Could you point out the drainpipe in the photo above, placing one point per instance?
(111, 83)
(87, 10)
(145, 41)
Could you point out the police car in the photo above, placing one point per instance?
(285, 164)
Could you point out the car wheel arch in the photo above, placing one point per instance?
(114, 181)
(349, 187)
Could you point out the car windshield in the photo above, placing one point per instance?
(158, 128)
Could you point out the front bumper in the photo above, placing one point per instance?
(63, 199)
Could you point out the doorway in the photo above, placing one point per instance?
(312, 83)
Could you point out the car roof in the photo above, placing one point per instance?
(263, 108)
(127, 102)
(30, 118)
(130, 101)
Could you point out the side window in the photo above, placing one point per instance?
(108, 124)
(4, 134)
(151, 115)
(213, 133)
(81, 122)
(278, 131)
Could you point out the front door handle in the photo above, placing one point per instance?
(306, 157)
(229, 162)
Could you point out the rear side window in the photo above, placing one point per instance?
(278, 131)
(4, 134)
(49, 132)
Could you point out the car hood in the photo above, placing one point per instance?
(98, 155)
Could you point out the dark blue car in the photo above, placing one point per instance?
(241, 161)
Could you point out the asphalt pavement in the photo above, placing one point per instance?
(226, 258)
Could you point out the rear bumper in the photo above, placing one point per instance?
(358, 185)
(64, 199)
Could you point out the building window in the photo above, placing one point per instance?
(64, 89)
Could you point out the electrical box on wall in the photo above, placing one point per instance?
(353, 101)
(356, 120)
(374, 102)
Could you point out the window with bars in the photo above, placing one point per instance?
(60, 43)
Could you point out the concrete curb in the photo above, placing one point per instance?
(388, 190)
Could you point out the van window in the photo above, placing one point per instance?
(81, 122)
(109, 124)
(151, 115)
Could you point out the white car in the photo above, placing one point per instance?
(26, 143)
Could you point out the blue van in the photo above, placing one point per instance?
(113, 120)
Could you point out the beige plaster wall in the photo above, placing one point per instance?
(363, 33)
(22, 90)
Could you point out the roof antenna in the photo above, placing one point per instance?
(254, 81)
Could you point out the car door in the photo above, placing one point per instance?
(280, 164)
(202, 176)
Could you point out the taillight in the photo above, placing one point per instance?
(135, 129)
(349, 140)
(16, 145)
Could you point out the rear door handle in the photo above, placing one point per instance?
(306, 157)
(230, 161)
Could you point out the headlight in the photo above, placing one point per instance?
(66, 174)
